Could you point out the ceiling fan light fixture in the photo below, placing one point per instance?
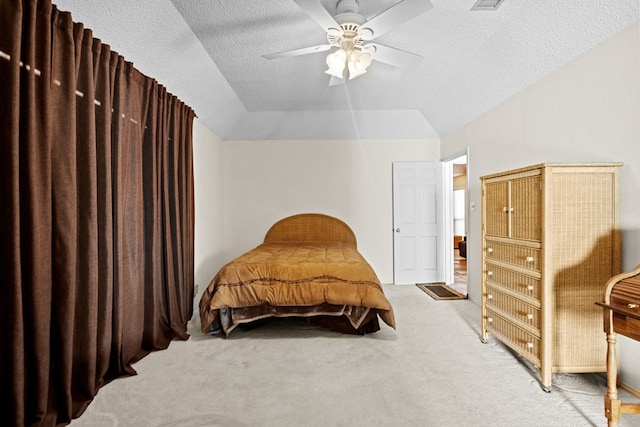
(359, 61)
(336, 62)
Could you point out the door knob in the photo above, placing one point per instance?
(397, 230)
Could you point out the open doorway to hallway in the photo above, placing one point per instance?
(459, 211)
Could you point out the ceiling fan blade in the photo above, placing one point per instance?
(393, 56)
(335, 81)
(393, 17)
(318, 13)
(297, 52)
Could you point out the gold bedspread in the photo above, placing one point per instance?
(285, 274)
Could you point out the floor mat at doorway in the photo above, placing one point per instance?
(440, 291)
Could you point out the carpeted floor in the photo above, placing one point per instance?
(432, 371)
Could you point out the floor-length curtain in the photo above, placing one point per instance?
(96, 217)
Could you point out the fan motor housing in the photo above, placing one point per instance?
(351, 25)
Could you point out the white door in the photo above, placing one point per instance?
(418, 223)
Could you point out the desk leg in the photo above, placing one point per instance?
(611, 401)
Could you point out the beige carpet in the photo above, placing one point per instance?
(432, 371)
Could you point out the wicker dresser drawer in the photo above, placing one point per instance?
(517, 338)
(521, 283)
(525, 313)
(522, 256)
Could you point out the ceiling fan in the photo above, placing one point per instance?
(352, 35)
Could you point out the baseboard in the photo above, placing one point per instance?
(629, 389)
(622, 385)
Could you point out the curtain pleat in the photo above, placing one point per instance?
(102, 79)
(96, 229)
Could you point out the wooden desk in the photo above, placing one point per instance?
(621, 316)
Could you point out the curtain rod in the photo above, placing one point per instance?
(58, 83)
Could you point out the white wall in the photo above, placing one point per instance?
(588, 110)
(207, 171)
(350, 179)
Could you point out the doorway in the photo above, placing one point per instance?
(458, 231)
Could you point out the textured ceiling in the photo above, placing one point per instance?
(209, 53)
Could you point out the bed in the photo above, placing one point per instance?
(307, 266)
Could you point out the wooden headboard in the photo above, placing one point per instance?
(310, 227)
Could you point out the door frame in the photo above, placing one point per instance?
(448, 201)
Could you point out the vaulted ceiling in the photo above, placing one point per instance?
(209, 53)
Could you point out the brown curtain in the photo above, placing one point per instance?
(96, 215)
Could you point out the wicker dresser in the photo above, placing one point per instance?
(550, 236)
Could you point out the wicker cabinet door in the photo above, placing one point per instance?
(496, 208)
(526, 208)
